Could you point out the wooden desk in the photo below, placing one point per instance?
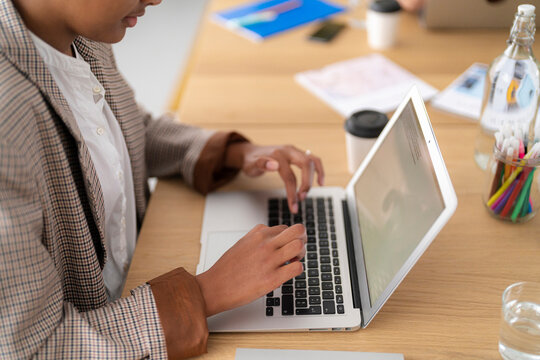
(448, 307)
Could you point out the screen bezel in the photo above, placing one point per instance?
(447, 192)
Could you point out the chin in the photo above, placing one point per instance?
(110, 37)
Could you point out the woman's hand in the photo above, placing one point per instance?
(256, 160)
(258, 263)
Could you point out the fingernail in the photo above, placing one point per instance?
(294, 208)
(272, 165)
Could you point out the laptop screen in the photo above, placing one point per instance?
(397, 199)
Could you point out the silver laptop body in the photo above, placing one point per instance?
(401, 195)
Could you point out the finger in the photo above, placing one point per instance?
(291, 250)
(306, 165)
(260, 166)
(297, 231)
(289, 180)
(319, 169)
(288, 271)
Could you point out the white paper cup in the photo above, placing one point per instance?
(361, 131)
(382, 22)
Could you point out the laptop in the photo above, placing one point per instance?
(472, 13)
(362, 240)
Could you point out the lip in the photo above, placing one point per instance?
(131, 19)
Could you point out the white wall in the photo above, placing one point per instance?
(153, 54)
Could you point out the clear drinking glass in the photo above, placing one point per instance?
(519, 337)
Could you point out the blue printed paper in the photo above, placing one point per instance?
(302, 12)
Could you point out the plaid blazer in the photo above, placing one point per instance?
(53, 302)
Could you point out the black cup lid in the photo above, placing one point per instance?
(385, 6)
(366, 123)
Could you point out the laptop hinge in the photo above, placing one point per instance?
(352, 259)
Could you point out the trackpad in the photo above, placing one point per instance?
(218, 243)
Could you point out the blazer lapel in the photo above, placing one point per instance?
(19, 49)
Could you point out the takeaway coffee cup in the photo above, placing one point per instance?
(361, 130)
(382, 20)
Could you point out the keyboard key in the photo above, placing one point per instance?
(327, 285)
(269, 311)
(286, 289)
(341, 309)
(331, 221)
(313, 281)
(323, 235)
(335, 262)
(313, 272)
(312, 256)
(270, 294)
(302, 276)
(310, 231)
(322, 227)
(326, 268)
(323, 243)
(311, 247)
(314, 300)
(312, 264)
(325, 259)
(300, 303)
(269, 301)
(339, 299)
(312, 310)
(301, 294)
(329, 307)
(332, 228)
(339, 290)
(326, 277)
(311, 240)
(333, 237)
(287, 306)
(288, 282)
(336, 271)
(334, 244)
(327, 294)
(334, 253)
(314, 291)
(324, 251)
(337, 280)
(300, 284)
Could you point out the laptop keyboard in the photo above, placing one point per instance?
(318, 289)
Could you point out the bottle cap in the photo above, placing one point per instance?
(385, 6)
(366, 123)
(526, 9)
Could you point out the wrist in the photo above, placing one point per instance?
(208, 294)
(235, 154)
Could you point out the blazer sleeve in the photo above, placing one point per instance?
(35, 320)
(197, 154)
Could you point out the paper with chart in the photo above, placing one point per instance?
(370, 82)
(464, 95)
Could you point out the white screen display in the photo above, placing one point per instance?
(398, 199)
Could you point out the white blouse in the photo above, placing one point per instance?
(103, 137)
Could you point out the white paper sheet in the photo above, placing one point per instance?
(369, 82)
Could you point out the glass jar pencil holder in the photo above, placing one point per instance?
(512, 187)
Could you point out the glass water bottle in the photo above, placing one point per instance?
(512, 88)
